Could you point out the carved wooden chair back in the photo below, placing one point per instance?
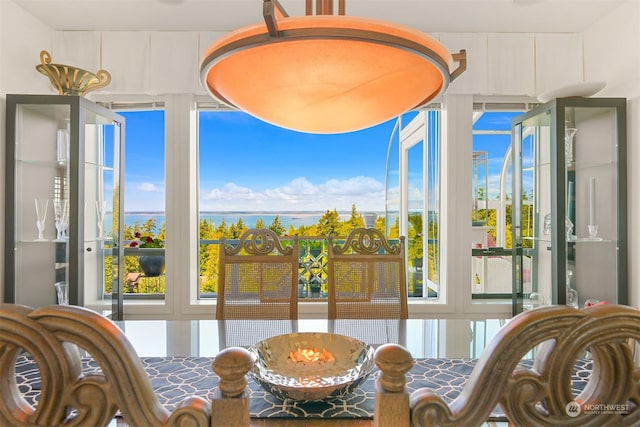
(367, 277)
(258, 277)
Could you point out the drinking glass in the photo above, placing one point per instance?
(62, 290)
(41, 215)
(61, 218)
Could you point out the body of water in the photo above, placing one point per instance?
(296, 219)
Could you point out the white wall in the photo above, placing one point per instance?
(22, 37)
(612, 54)
(145, 62)
(140, 62)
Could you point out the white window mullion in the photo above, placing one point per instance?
(455, 226)
(181, 204)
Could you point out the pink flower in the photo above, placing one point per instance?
(146, 241)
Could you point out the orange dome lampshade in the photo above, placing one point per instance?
(326, 73)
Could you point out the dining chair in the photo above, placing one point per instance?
(368, 288)
(367, 277)
(258, 277)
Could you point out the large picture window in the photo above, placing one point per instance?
(249, 174)
(256, 175)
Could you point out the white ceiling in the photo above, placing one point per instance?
(224, 15)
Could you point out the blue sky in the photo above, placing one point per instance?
(495, 144)
(249, 165)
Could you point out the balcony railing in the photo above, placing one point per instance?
(312, 271)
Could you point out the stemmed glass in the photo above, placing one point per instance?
(101, 209)
(62, 218)
(569, 134)
(41, 215)
(62, 289)
(568, 225)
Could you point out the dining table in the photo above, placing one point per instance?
(177, 356)
(445, 349)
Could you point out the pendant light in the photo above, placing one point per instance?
(326, 73)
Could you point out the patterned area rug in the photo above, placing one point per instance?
(175, 378)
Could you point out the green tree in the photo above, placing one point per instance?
(329, 224)
(355, 221)
(206, 233)
(414, 238)
(233, 232)
(260, 224)
(209, 257)
(394, 230)
(241, 227)
(276, 226)
(222, 229)
(480, 195)
(209, 277)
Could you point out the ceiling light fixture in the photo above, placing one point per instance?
(326, 73)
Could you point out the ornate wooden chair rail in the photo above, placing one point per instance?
(537, 396)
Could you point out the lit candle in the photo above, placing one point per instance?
(592, 201)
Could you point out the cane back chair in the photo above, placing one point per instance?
(258, 277)
(367, 277)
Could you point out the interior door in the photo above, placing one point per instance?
(102, 272)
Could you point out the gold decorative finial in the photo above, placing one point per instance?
(70, 80)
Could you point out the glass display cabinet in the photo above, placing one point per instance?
(63, 203)
(569, 203)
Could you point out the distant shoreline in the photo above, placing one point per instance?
(288, 213)
(249, 218)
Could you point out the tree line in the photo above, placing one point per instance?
(329, 224)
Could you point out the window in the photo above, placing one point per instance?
(419, 161)
(491, 204)
(144, 201)
(253, 174)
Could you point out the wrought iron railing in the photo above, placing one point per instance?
(312, 271)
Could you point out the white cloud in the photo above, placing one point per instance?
(231, 191)
(354, 186)
(299, 194)
(148, 187)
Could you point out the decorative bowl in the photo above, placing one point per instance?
(70, 80)
(337, 367)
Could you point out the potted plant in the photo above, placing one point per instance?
(315, 286)
(151, 265)
(313, 248)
